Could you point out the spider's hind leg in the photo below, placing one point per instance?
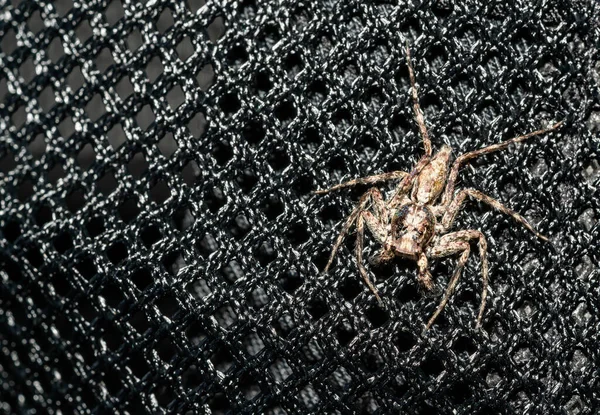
(372, 195)
(453, 243)
(360, 233)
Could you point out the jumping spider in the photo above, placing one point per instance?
(412, 224)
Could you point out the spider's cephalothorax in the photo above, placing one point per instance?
(415, 222)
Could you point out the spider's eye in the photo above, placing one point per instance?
(401, 214)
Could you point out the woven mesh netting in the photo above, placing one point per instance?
(161, 247)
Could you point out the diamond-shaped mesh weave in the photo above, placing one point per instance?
(161, 247)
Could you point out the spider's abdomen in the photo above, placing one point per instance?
(413, 227)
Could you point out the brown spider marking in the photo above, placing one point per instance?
(412, 225)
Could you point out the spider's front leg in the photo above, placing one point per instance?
(377, 178)
(453, 243)
(460, 161)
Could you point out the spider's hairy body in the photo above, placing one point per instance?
(415, 222)
(413, 227)
(431, 181)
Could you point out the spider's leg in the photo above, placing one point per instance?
(417, 107)
(371, 194)
(376, 225)
(360, 232)
(456, 204)
(486, 150)
(424, 276)
(459, 242)
(377, 178)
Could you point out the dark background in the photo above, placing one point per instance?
(161, 249)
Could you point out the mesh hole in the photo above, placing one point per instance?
(9, 42)
(12, 230)
(134, 40)
(154, 69)
(150, 234)
(185, 49)
(104, 60)
(225, 316)
(63, 242)
(278, 159)
(95, 227)
(114, 12)
(249, 387)
(35, 22)
(84, 31)
(66, 128)
(197, 125)
(174, 262)
(272, 207)
(86, 157)
(19, 117)
(377, 316)
(216, 29)
(345, 333)
(75, 200)
(145, 117)
(405, 341)
(160, 192)
(117, 252)
(168, 306)
(214, 198)
(107, 184)
(7, 162)
(290, 281)
(142, 278)
(183, 218)
(75, 78)
(192, 378)
(206, 77)
(253, 132)
(129, 210)
(230, 103)
(433, 365)
(317, 308)
(124, 88)
(113, 296)
(195, 5)
(167, 146)
(253, 343)
(175, 97)
(219, 404)
(138, 165)
(55, 50)
(237, 55)
(165, 21)
(191, 172)
(27, 70)
(43, 215)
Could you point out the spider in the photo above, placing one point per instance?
(413, 224)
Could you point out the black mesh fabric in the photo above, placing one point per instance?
(161, 247)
